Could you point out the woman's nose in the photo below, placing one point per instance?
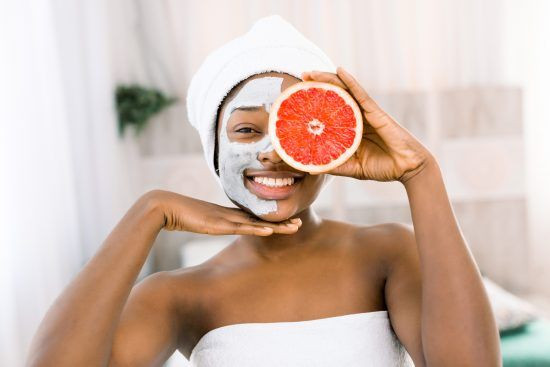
(270, 155)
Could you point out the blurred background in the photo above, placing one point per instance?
(92, 113)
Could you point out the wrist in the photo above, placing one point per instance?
(152, 206)
(427, 171)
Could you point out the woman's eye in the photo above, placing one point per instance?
(245, 130)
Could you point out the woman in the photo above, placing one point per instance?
(293, 289)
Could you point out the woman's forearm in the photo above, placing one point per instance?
(457, 320)
(78, 328)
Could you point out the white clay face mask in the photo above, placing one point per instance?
(235, 157)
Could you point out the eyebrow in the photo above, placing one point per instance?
(246, 108)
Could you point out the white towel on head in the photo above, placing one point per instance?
(271, 44)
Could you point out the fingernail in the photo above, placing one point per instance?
(295, 220)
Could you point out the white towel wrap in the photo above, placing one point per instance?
(354, 340)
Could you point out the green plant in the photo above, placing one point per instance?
(136, 105)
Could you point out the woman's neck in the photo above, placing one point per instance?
(277, 246)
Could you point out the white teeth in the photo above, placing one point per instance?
(274, 182)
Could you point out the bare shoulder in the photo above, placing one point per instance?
(164, 283)
(174, 291)
(393, 243)
(186, 285)
(386, 232)
(184, 291)
(156, 318)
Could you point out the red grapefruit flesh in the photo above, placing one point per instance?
(315, 126)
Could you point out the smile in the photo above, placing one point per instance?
(273, 185)
(274, 182)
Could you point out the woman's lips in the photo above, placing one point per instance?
(270, 192)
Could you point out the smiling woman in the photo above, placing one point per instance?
(293, 288)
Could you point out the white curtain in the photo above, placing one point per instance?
(65, 178)
(39, 226)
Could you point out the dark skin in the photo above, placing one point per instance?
(424, 276)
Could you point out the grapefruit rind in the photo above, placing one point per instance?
(314, 168)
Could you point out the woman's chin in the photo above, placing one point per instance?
(283, 212)
(275, 216)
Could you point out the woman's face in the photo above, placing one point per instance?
(253, 175)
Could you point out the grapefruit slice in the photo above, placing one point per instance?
(315, 126)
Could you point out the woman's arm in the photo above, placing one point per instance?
(437, 302)
(79, 328)
(457, 323)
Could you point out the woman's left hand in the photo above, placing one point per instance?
(388, 151)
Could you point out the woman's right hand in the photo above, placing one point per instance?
(183, 213)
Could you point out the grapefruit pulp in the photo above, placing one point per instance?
(315, 126)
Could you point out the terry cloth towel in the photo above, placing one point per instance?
(353, 340)
(271, 44)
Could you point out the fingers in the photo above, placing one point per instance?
(284, 227)
(365, 101)
(323, 76)
(389, 130)
(224, 227)
(230, 227)
(288, 226)
(344, 80)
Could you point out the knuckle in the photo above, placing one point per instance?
(362, 98)
(233, 227)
